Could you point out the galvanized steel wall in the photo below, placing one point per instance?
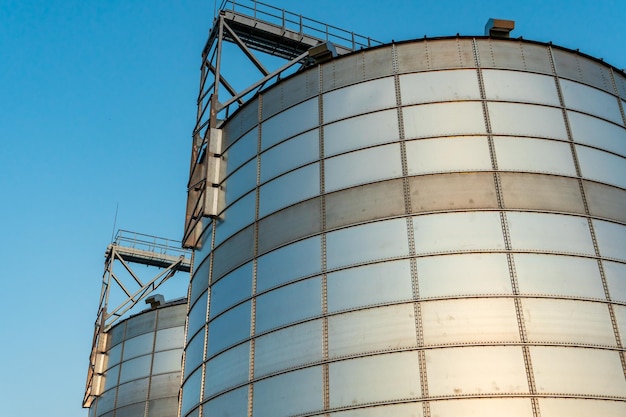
(433, 228)
(143, 371)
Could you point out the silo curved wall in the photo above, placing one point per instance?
(143, 370)
(422, 229)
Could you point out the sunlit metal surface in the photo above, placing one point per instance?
(433, 228)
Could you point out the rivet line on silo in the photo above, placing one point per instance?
(492, 55)
(616, 91)
(251, 370)
(324, 262)
(417, 310)
(204, 353)
(427, 53)
(530, 377)
(596, 248)
(521, 48)
(363, 73)
(205, 329)
(608, 296)
(186, 331)
(153, 350)
(459, 51)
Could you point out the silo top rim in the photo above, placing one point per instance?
(518, 40)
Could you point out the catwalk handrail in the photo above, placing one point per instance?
(299, 23)
(149, 243)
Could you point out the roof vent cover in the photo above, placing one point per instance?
(499, 28)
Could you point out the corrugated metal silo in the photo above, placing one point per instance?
(143, 364)
(430, 228)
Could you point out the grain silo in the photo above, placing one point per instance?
(142, 372)
(435, 227)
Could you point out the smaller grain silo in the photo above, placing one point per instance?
(142, 370)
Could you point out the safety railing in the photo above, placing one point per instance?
(157, 245)
(298, 23)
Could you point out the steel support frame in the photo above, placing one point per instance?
(264, 29)
(145, 288)
(115, 254)
(203, 186)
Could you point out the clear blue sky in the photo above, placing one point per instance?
(96, 108)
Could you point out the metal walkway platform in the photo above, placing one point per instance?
(290, 36)
(149, 250)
